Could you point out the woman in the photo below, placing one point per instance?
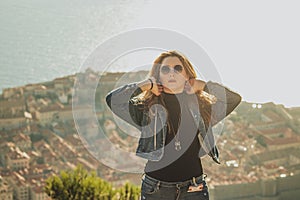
(175, 113)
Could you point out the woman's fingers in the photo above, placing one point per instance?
(157, 87)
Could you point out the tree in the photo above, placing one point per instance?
(260, 139)
(40, 160)
(81, 185)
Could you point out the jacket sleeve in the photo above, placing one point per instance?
(120, 101)
(227, 101)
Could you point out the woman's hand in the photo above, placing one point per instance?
(156, 88)
(193, 86)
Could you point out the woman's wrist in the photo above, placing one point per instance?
(197, 85)
(151, 82)
(201, 85)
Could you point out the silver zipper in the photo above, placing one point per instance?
(155, 122)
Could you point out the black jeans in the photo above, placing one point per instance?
(156, 189)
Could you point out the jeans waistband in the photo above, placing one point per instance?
(192, 181)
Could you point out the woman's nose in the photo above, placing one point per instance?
(172, 72)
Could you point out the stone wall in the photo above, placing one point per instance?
(269, 189)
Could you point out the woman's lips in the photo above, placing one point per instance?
(172, 81)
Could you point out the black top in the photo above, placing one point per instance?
(183, 164)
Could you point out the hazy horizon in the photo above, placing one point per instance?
(254, 44)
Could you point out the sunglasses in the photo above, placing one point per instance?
(166, 69)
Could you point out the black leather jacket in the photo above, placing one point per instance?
(152, 122)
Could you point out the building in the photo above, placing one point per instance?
(20, 186)
(263, 189)
(37, 193)
(6, 192)
(16, 159)
(22, 141)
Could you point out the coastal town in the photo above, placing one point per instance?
(259, 143)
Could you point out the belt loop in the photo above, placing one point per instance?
(194, 181)
(143, 175)
(177, 191)
(157, 185)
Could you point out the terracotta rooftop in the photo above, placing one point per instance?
(21, 137)
(283, 141)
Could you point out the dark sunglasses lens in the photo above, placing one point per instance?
(178, 68)
(165, 69)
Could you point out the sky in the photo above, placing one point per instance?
(254, 44)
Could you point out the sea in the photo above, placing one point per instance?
(42, 40)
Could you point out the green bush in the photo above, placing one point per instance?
(81, 185)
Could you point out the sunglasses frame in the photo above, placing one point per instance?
(175, 69)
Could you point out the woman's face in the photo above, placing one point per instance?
(172, 75)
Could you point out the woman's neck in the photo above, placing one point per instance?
(169, 91)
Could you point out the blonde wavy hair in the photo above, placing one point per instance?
(205, 99)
